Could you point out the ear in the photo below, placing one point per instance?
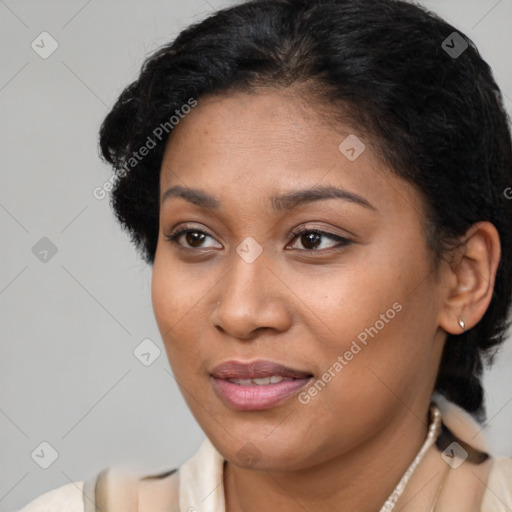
(470, 278)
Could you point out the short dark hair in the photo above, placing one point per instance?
(437, 119)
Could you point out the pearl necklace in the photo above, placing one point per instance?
(433, 433)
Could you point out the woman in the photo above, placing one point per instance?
(330, 237)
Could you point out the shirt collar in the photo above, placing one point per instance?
(201, 485)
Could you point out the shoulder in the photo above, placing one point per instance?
(67, 498)
(498, 495)
(114, 486)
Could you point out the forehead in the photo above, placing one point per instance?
(276, 125)
(247, 145)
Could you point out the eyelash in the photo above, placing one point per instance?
(342, 242)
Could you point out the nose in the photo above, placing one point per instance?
(252, 298)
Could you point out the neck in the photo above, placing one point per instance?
(340, 483)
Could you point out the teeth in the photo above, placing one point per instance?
(263, 381)
(242, 382)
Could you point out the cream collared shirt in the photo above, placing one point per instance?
(198, 485)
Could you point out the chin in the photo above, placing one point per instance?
(253, 451)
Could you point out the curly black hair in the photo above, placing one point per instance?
(407, 78)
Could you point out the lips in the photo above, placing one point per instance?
(256, 370)
(256, 385)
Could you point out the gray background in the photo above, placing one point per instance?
(69, 325)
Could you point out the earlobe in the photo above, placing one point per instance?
(473, 274)
(462, 324)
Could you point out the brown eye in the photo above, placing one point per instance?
(311, 239)
(194, 238)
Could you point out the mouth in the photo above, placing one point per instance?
(256, 385)
(261, 381)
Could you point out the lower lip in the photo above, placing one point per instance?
(254, 397)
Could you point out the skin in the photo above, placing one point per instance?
(303, 306)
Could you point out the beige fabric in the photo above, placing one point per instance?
(159, 495)
(498, 497)
(117, 489)
(201, 481)
(68, 498)
(198, 485)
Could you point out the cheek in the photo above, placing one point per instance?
(349, 299)
(161, 295)
(376, 314)
(383, 350)
(178, 317)
(172, 294)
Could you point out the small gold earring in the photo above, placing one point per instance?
(462, 324)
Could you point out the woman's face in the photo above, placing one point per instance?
(354, 309)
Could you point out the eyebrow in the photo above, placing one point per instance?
(279, 203)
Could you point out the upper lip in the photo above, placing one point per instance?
(255, 370)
